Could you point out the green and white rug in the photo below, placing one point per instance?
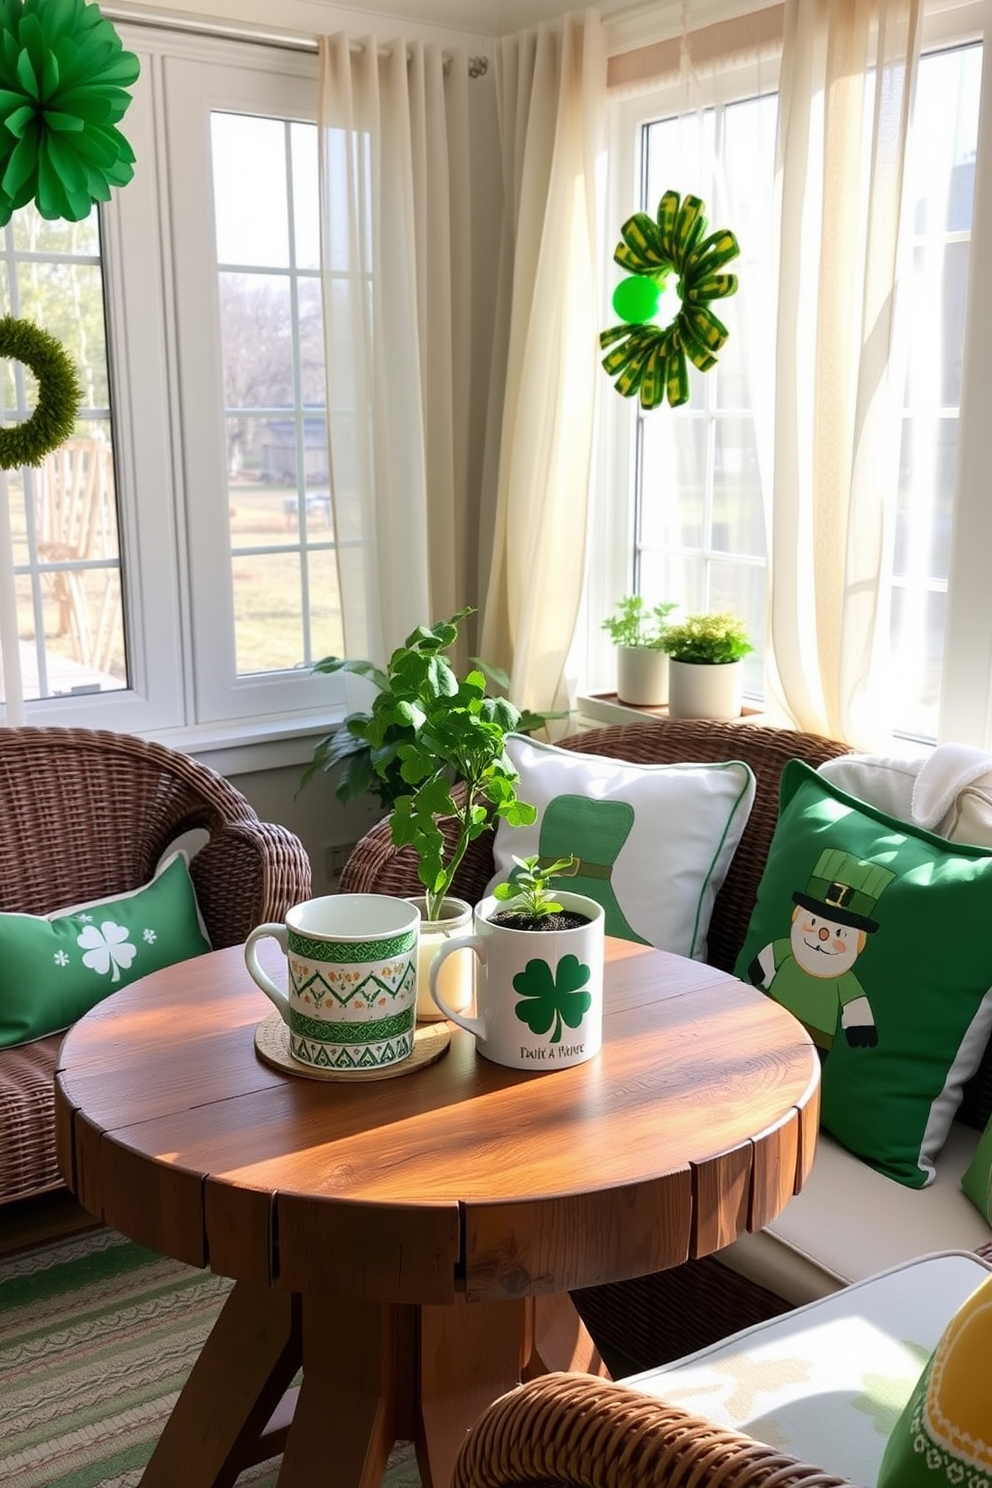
(97, 1336)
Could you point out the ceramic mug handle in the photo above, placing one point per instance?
(261, 978)
(466, 942)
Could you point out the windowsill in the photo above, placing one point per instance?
(606, 707)
(243, 748)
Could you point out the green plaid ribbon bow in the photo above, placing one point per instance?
(650, 359)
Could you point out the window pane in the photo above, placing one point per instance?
(279, 492)
(257, 337)
(940, 189)
(64, 513)
(738, 518)
(249, 157)
(700, 516)
(673, 483)
(306, 206)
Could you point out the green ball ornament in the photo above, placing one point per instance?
(637, 299)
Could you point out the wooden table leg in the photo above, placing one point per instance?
(470, 1353)
(344, 1424)
(561, 1340)
(242, 1371)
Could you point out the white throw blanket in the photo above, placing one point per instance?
(947, 790)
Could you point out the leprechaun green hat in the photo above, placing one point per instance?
(845, 889)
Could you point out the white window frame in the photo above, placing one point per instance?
(966, 691)
(160, 278)
(613, 507)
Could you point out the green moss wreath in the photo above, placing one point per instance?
(648, 358)
(59, 394)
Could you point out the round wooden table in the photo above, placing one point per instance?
(411, 1242)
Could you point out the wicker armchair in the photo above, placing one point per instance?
(88, 813)
(576, 1431)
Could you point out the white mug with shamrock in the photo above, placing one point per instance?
(538, 993)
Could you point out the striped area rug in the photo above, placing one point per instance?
(97, 1336)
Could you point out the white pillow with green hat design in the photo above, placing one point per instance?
(654, 842)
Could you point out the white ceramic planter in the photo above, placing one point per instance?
(696, 690)
(538, 993)
(642, 676)
(457, 978)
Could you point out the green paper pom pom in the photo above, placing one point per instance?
(649, 359)
(637, 298)
(63, 80)
(59, 394)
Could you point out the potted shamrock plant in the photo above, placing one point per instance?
(539, 984)
(706, 667)
(434, 744)
(637, 631)
(530, 902)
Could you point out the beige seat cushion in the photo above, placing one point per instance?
(827, 1382)
(850, 1222)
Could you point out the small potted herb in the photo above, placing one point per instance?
(637, 631)
(706, 655)
(530, 903)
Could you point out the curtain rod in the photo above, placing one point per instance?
(296, 41)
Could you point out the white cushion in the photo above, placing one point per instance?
(827, 1382)
(947, 791)
(654, 841)
(851, 1221)
(886, 782)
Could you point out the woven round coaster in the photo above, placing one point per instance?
(272, 1045)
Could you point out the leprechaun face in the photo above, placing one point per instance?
(822, 947)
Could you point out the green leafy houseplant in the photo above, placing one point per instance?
(634, 624)
(369, 768)
(713, 640)
(428, 730)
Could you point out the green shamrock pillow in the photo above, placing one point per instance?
(875, 934)
(944, 1435)
(56, 967)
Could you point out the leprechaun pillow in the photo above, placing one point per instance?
(875, 934)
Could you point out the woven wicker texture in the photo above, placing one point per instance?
(651, 1320)
(88, 813)
(576, 1431)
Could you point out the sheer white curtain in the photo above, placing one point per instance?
(848, 72)
(396, 256)
(551, 86)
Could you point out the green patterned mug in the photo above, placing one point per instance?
(352, 1002)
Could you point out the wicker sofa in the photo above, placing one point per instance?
(851, 1221)
(85, 814)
